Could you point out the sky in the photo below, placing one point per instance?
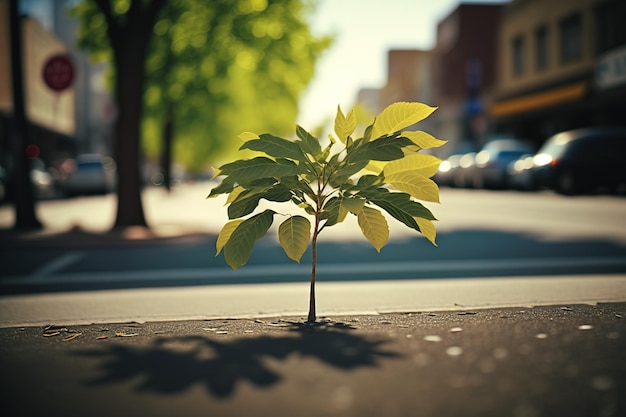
(364, 31)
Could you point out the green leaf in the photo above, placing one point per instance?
(309, 144)
(425, 165)
(276, 147)
(428, 229)
(333, 213)
(424, 140)
(386, 148)
(294, 235)
(368, 180)
(397, 116)
(247, 201)
(374, 227)
(225, 187)
(367, 135)
(344, 125)
(342, 174)
(225, 233)
(416, 185)
(399, 205)
(234, 194)
(246, 170)
(239, 246)
(352, 204)
(244, 204)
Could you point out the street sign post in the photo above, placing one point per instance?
(58, 72)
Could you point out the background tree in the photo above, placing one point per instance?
(128, 26)
(209, 66)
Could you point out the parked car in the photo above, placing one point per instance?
(519, 173)
(493, 160)
(91, 174)
(462, 176)
(41, 178)
(445, 173)
(582, 161)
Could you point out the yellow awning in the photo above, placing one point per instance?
(538, 100)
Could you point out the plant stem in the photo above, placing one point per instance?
(312, 313)
(316, 230)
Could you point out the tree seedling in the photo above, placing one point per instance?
(383, 169)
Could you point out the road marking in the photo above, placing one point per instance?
(57, 264)
(521, 266)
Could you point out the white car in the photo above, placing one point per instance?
(92, 174)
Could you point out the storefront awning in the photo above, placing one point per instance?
(538, 100)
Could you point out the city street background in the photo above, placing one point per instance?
(518, 249)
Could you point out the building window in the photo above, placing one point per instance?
(518, 56)
(571, 29)
(610, 25)
(541, 48)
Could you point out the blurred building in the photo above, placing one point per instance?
(50, 114)
(562, 65)
(408, 76)
(95, 109)
(464, 74)
(408, 79)
(369, 98)
(65, 123)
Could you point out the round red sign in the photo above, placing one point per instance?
(58, 72)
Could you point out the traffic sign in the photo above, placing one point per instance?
(58, 72)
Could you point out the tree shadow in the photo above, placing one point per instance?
(171, 365)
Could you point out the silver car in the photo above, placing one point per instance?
(92, 174)
(493, 160)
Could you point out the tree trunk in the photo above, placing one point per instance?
(129, 92)
(24, 197)
(166, 153)
(129, 37)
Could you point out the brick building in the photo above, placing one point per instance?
(562, 65)
(464, 74)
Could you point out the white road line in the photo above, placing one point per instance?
(57, 264)
(521, 266)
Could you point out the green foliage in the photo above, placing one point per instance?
(331, 182)
(215, 63)
(380, 171)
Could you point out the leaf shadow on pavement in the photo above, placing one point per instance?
(170, 365)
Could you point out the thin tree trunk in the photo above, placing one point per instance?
(166, 153)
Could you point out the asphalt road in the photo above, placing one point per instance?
(415, 330)
(481, 234)
(557, 361)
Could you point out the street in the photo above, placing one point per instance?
(480, 234)
(518, 312)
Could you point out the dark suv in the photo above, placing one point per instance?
(582, 161)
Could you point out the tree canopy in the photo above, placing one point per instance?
(219, 66)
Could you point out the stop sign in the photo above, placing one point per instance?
(58, 72)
